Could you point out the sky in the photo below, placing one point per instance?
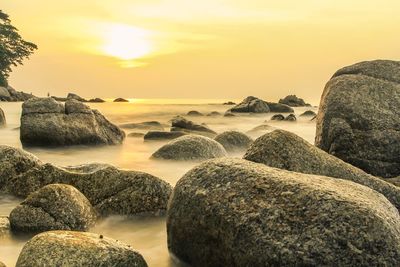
(212, 49)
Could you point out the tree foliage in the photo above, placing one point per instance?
(13, 49)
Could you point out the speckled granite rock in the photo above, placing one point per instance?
(46, 122)
(53, 207)
(234, 141)
(285, 150)
(232, 212)
(190, 147)
(68, 248)
(251, 104)
(359, 117)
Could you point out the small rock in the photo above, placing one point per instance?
(181, 124)
(233, 141)
(76, 97)
(294, 101)
(278, 117)
(194, 113)
(229, 103)
(161, 135)
(229, 114)
(214, 114)
(308, 113)
(96, 100)
(120, 100)
(291, 117)
(278, 107)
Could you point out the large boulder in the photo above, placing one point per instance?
(2, 118)
(285, 150)
(69, 248)
(10, 94)
(162, 136)
(234, 141)
(53, 207)
(47, 122)
(359, 117)
(76, 97)
(13, 162)
(278, 107)
(147, 125)
(232, 212)
(251, 104)
(180, 124)
(294, 101)
(190, 147)
(109, 190)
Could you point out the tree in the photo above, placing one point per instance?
(13, 49)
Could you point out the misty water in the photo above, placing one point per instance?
(145, 234)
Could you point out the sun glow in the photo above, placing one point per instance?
(127, 43)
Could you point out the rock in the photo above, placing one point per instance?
(147, 125)
(285, 150)
(4, 226)
(229, 103)
(109, 190)
(232, 212)
(194, 113)
(359, 117)
(13, 162)
(278, 117)
(47, 122)
(291, 117)
(96, 100)
(160, 135)
(395, 181)
(229, 114)
(2, 264)
(120, 100)
(136, 135)
(4, 94)
(181, 124)
(251, 104)
(60, 99)
(233, 141)
(278, 107)
(53, 207)
(308, 113)
(294, 101)
(69, 248)
(261, 129)
(10, 94)
(76, 97)
(2, 118)
(190, 147)
(213, 114)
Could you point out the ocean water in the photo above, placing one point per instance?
(146, 234)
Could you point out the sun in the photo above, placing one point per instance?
(126, 42)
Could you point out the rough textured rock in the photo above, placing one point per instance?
(76, 97)
(4, 226)
(285, 150)
(291, 117)
(308, 113)
(46, 122)
(2, 118)
(278, 107)
(278, 117)
(10, 94)
(195, 113)
(294, 101)
(359, 117)
(181, 124)
(160, 135)
(14, 161)
(69, 248)
(251, 104)
(190, 147)
(109, 190)
(120, 100)
(147, 125)
(53, 207)
(232, 212)
(96, 100)
(234, 141)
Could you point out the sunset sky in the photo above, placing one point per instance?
(198, 49)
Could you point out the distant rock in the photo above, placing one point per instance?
(190, 147)
(46, 122)
(69, 248)
(2, 118)
(181, 124)
(294, 101)
(161, 135)
(120, 100)
(278, 107)
(194, 113)
(278, 117)
(53, 207)
(285, 150)
(291, 117)
(147, 125)
(359, 117)
(76, 97)
(229, 103)
(232, 212)
(4, 226)
(308, 113)
(214, 114)
(263, 128)
(251, 104)
(96, 100)
(11, 95)
(136, 135)
(234, 141)
(229, 114)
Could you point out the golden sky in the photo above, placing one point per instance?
(198, 49)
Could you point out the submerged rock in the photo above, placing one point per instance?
(194, 113)
(359, 117)
(213, 114)
(234, 141)
(308, 113)
(120, 100)
(46, 122)
(294, 101)
(181, 124)
(2, 118)
(291, 117)
(147, 125)
(232, 212)
(278, 117)
(190, 147)
(69, 248)
(278, 107)
(251, 104)
(53, 207)
(161, 135)
(285, 150)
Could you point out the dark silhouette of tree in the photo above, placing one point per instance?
(13, 49)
